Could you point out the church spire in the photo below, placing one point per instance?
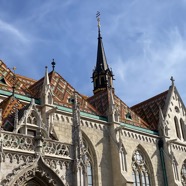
(102, 75)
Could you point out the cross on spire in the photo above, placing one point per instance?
(172, 80)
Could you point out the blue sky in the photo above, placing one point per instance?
(144, 41)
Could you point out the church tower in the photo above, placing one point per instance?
(102, 76)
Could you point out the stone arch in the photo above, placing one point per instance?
(148, 162)
(93, 156)
(37, 172)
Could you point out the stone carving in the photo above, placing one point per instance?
(56, 148)
(29, 115)
(17, 141)
(26, 171)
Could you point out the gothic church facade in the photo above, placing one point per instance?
(51, 135)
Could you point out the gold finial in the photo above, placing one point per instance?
(98, 19)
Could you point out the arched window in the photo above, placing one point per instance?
(183, 173)
(32, 119)
(122, 156)
(102, 80)
(88, 162)
(183, 129)
(175, 168)
(140, 171)
(177, 127)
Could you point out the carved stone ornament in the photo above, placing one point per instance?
(37, 169)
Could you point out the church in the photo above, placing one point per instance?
(52, 135)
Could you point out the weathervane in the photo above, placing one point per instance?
(14, 80)
(98, 19)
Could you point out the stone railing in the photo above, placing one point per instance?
(17, 141)
(56, 148)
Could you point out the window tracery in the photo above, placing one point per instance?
(32, 119)
(183, 173)
(140, 171)
(88, 164)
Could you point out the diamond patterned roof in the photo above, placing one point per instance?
(149, 110)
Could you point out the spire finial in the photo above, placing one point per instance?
(14, 79)
(98, 19)
(172, 79)
(53, 65)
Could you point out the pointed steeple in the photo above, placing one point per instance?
(102, 75)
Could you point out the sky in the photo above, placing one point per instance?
(144, 42)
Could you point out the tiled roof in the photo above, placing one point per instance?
(101, 102)
(62, 91)
(149, 110)
(9, 107)
(145, 114)
(7, 80)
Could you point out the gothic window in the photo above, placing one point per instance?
(88, 177)
(32, 119)
(102, 80)
(177, 127)
(122, 155)
(183, 173)
(89, 174)
(183, 129)
(140, 171)
(175, 169)
(49, 99)
(29, 120)
(128, 115)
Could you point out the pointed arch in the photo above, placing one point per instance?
(175, 168)
(122, 156)
(183, 129)
(90, 160)
(37, 172)
(31, 121)
(142, 170)
(177, 127)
